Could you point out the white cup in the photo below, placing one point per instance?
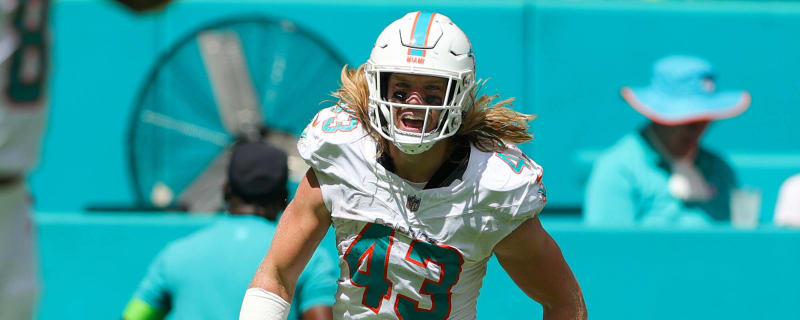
(745, 207)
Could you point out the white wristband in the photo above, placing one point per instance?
(260, 304)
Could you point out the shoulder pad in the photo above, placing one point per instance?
(512, 183)
(332, 129)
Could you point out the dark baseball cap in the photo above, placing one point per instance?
(257, 172)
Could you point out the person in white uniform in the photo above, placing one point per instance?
(23, 110)
(24, 68)
(423, 183)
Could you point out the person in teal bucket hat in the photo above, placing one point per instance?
(660, 174)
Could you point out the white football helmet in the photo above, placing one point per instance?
(420, 43)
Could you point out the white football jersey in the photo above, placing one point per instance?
(406, 252)
(23, 82)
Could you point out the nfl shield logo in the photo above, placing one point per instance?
(412, 203)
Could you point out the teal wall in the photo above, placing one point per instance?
(582, 52)
(563, 60)
(97, 76)
(92, 263)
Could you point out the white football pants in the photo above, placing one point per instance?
(19, 283)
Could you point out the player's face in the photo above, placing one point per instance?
(416, 90)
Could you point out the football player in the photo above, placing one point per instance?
(423, 183)
(24, 57)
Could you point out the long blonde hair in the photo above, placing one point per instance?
(487, 125)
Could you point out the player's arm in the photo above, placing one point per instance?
(535, 263)
(152, 299)
(300, 230)
(138, 309)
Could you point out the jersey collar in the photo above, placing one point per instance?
(452, 169)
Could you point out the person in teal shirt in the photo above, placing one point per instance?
(660, 174)
(204, 275)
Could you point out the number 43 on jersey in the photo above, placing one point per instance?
(372, 248)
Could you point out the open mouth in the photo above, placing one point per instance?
(411, 121)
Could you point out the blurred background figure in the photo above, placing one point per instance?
(787, 209)
(24, 70)
(23, 76)
(203, 276)
(660, 175)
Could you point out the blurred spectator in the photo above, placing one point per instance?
(203, 276)
(660, 175)
(24, 70)
(787, 209)
(23, 76)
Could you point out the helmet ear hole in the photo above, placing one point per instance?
(455, 122)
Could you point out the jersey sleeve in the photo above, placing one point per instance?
(154, 289)
(511, 192)
(329, 145)
(513, 185)
(321, 143)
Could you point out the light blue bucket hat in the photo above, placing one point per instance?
(682, 90)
